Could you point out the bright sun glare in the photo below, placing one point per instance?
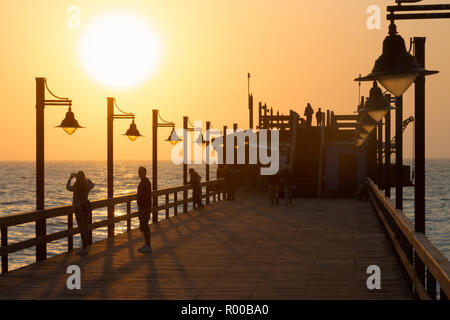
(119, 50)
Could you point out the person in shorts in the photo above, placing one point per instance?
(144, 202)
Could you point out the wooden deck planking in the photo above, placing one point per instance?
(246, 249)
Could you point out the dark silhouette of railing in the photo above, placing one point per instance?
(214, 189)
(423, 264)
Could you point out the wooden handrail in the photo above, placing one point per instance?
(33, 216)
(436, 263)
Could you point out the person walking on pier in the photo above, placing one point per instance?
(144, 202)
(286, 181)
(309, 113)
(194, 181)
(274, 187)
(82, 206)
(319, 117)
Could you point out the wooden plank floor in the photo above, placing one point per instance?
(245, 249)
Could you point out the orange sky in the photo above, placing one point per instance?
(297, 52)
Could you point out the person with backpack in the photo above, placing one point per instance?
(82, 206)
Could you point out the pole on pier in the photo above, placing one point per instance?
(250, 111)
(387, 152)
(399, 153)
(185, 160)
(110, 162)
(259, 114)
(208, 127)
(155, 113)
(235, 127)
(380, 153)
(41, 248)
(224, 142)
(419, 132)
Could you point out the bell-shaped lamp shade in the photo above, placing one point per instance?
(396, 69)
(376, 106)
(363, 134)
(132, 132)
(359, 142)
(200, 140)
(367, 123)
(69, 124)
(173, 137)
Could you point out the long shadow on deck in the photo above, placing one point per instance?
(243, 249)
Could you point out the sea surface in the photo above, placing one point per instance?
(17, 195)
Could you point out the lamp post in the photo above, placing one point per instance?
(132, 134)
(399, 71)
(387, 151)
(69, 125)
(173, 139)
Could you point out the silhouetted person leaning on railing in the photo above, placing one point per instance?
(81, 205)
(194, 181)
(144, 202)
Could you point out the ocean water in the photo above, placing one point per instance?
(437, 204)
(17, 195)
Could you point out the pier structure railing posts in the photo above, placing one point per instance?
(380, 153)
(185, 161)
(399, 153)
(387, 152)
(155, 115)
(208, 127)
(50, 213)
(110, 162)
(132, 134)
(69, 125)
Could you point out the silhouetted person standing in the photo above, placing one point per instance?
(194, 181)
(309, 113)
(274, 187)
(319, 117)
(286, 181)
(229, 183)
(144, 202)
(81, 205)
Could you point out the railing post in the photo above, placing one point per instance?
(155, 213)
(70, 236)
(167, 203)
(175, 200)
(4, 243)
(128, 218)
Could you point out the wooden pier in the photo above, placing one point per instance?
(243, 249)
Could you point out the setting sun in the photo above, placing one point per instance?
(119, 50)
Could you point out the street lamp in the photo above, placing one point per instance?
(173, 139)
(69, 125)
(396, 70)
(376, 106)
(132, 134)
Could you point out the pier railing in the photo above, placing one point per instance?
(423, 264)
(214, 190)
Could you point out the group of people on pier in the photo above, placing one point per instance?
(234, 176)
(309, 111)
